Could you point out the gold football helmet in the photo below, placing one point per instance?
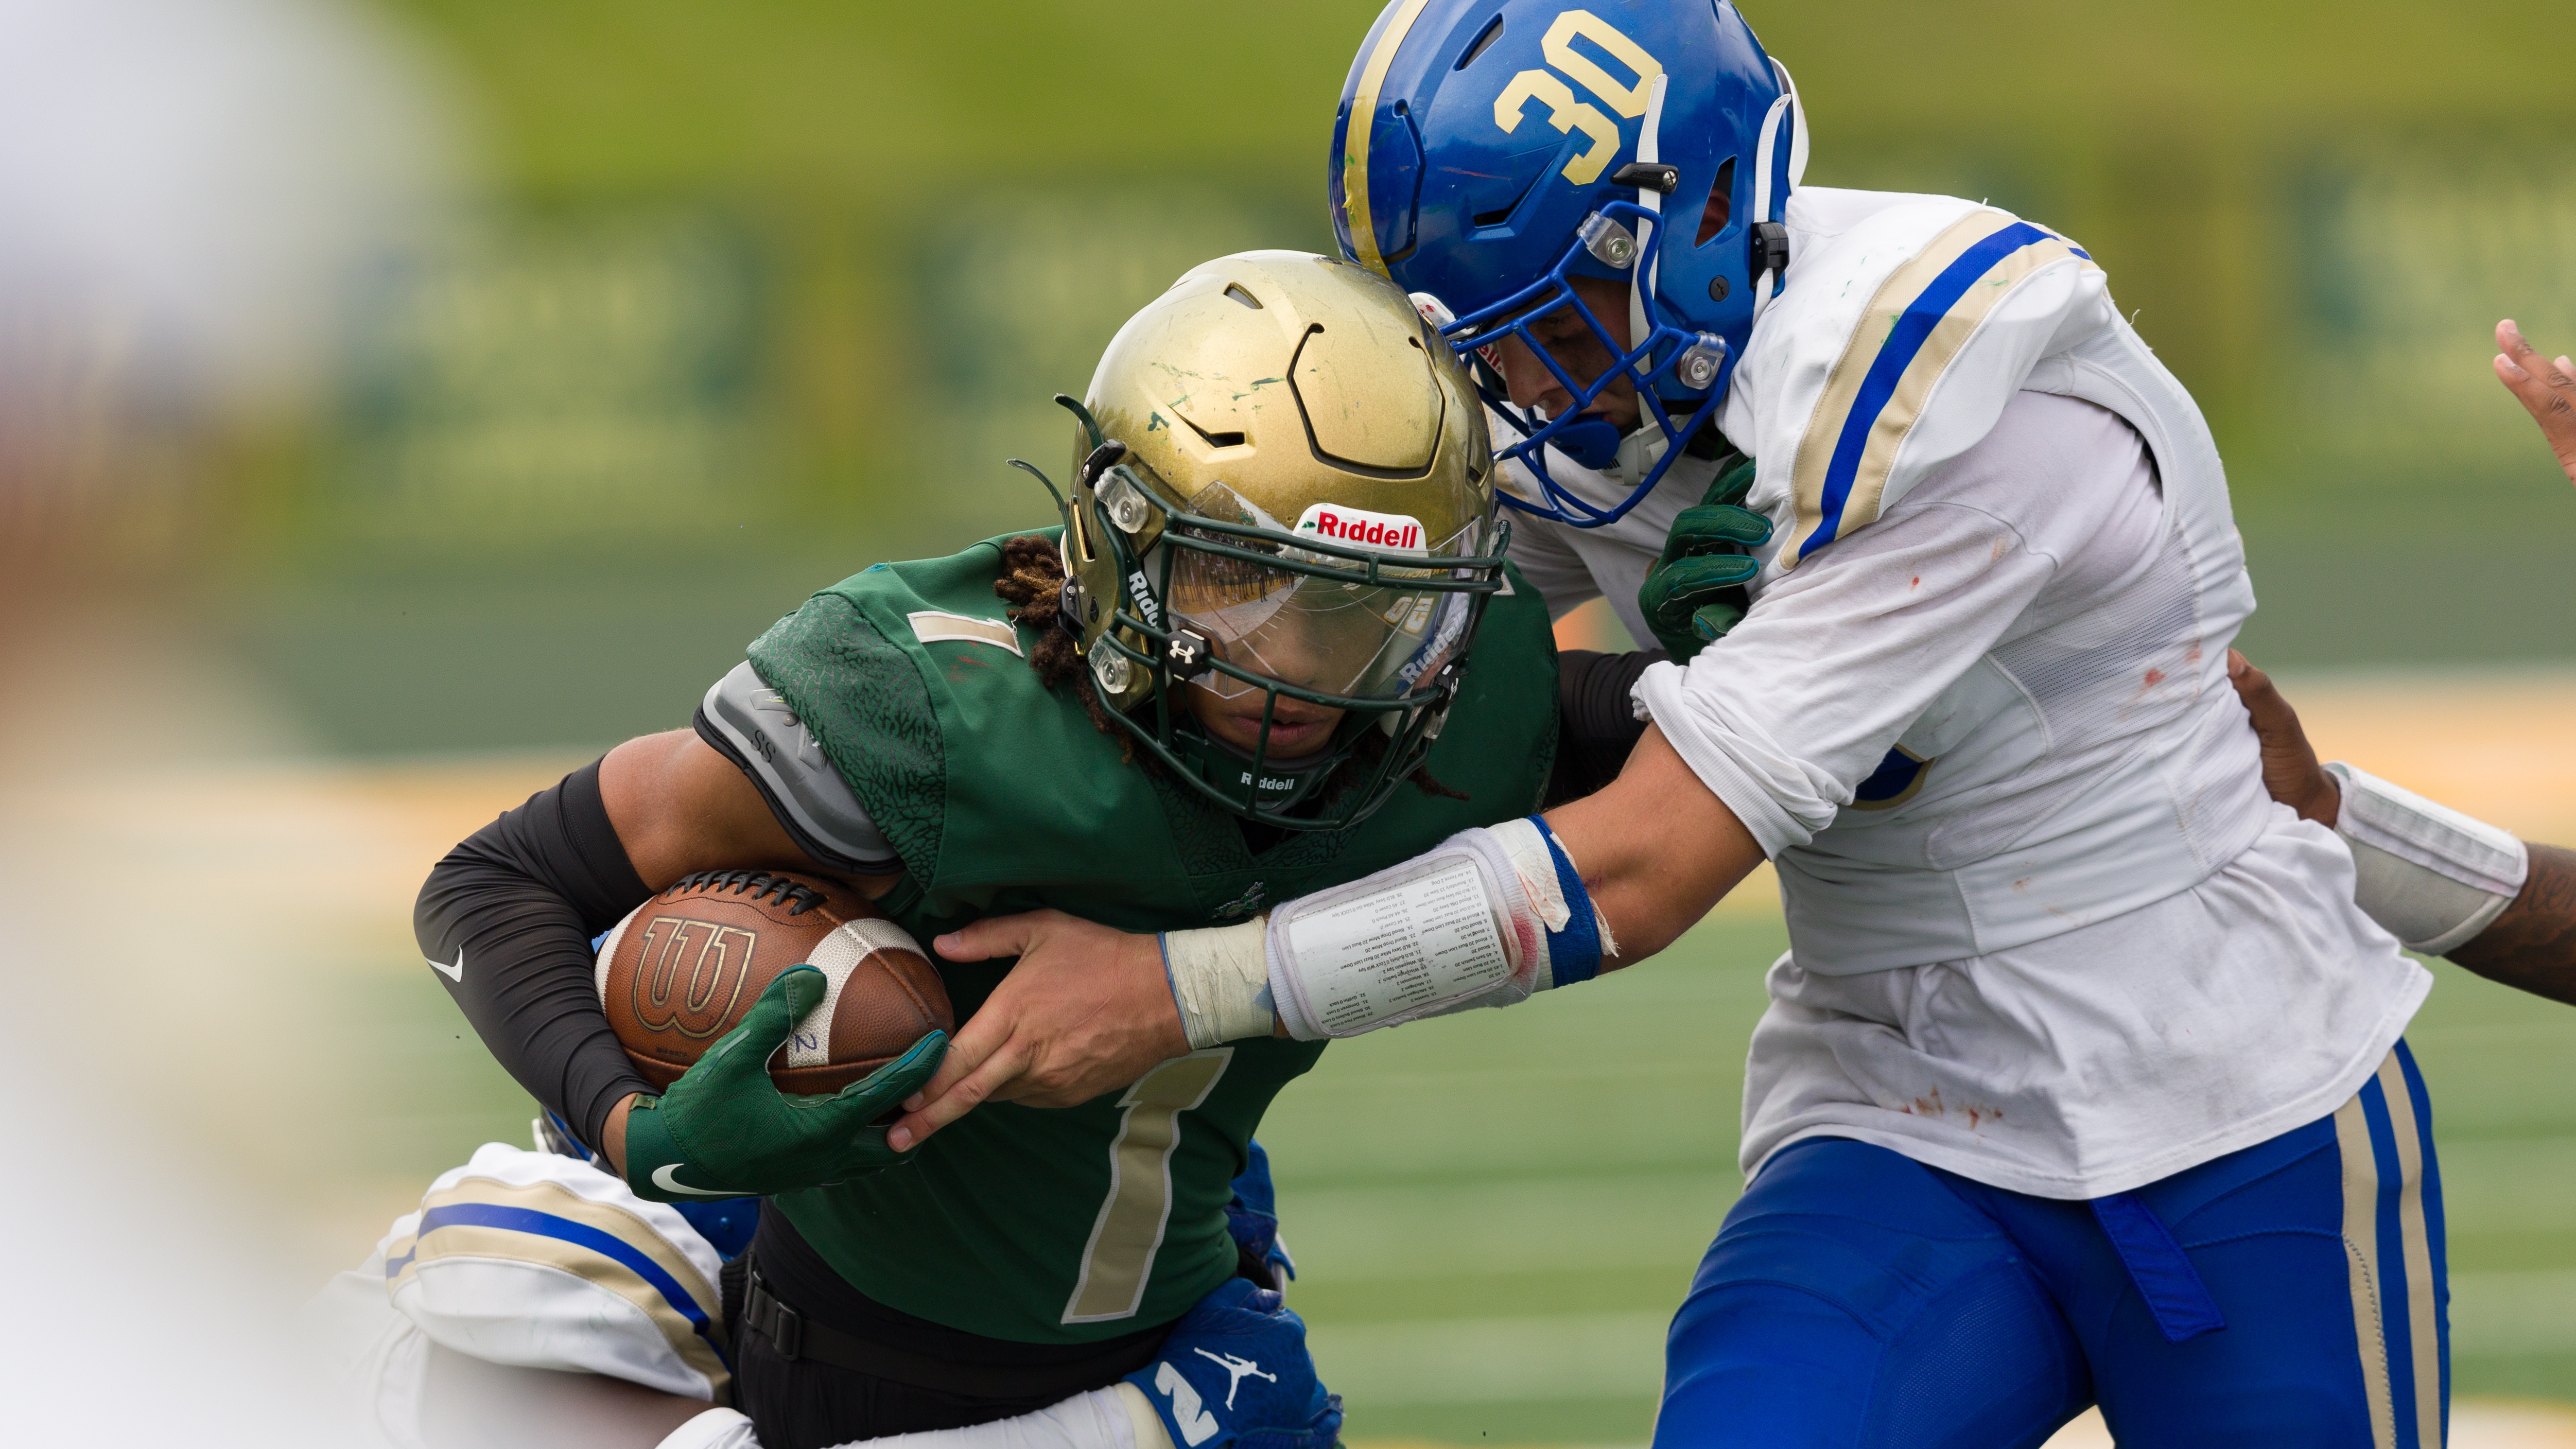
(1284, 488)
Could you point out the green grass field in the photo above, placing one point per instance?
(1495, 1214)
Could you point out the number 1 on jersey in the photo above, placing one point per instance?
(1139, 1206)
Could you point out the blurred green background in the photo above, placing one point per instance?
(764, 293)
(757, 295)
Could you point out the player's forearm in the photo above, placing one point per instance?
(1656, 850)
(507, 919)
(1488, 918)
(2532, 946)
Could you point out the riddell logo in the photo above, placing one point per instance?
(1359, 526)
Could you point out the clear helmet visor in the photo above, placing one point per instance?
(1331, 636)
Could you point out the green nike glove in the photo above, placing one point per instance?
(725, 1130)
(1690, 596)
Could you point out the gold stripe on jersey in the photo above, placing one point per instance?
(933, 626)
(1813, 464)
(1129, 1231)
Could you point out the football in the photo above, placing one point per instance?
(682, 969)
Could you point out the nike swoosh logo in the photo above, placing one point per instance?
(454, 973)
(666, 1177)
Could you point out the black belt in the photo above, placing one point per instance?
(797, 1337)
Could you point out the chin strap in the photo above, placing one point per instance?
(1779, 164)
(1641, 280)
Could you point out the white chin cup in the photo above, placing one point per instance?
(1639, 451)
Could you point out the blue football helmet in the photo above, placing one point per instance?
(1489, 151)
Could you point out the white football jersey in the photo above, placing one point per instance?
(2047, 929)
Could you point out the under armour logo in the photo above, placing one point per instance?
(1238, 1368)
(1248, 903)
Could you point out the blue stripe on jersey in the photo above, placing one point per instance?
(547, 1225)
(1904, 341)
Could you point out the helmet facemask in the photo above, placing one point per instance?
(1667, 359)
(1215, 594)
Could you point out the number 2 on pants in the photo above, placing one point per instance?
(1139, 1206)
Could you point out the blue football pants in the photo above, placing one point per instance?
(2288, 1294)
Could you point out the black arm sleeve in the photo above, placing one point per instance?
(511, 913)
(1596, 725)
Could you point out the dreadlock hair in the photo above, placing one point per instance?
(1032, 582)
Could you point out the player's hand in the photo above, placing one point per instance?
(725, 1130)
(1684, 596)
(2290, 769)
(2547, 390)
(1085, 1010)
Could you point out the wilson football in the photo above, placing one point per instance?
(682, 969)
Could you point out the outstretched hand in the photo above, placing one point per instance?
(2547, 391)
(1086, 1010)
(2291, 773)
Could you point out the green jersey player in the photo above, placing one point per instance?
(1239, 673)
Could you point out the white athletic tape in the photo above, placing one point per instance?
(1220, 981)
(714, 1429)
(1526, 848)
(2428, 874)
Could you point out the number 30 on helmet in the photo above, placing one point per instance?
(1284, 490)
(1487, 151)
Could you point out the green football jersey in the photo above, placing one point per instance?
(1000, 795)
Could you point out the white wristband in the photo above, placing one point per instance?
(714, 1429)
(2428, 874)
(1220, 982)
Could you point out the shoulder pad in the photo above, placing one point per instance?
(583, 1276)
(1907, 324)
(751, 724)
